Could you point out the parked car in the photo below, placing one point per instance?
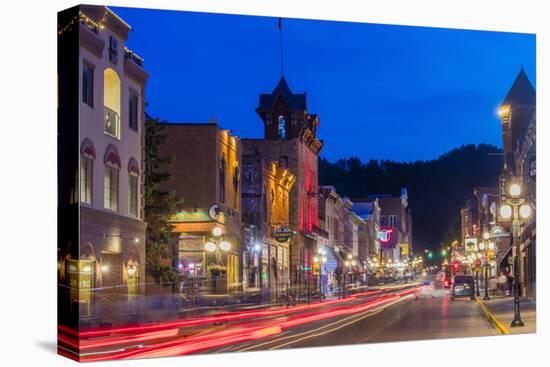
(463, 286)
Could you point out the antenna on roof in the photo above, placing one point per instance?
(281, 43)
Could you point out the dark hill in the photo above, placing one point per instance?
(437, 189)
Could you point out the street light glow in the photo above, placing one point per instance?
(506, 211)
(210, 246)
(525, 211)
(225, 246)
(515, 190)
(504, 111)
(486, 235)
(217, 231)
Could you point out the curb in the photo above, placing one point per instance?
(499, 325)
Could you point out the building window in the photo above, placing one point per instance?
(282, 127)
(88, 84)
(133, 195)
(392, 220)
(383, 220)
(86, 174)
(111, 96)
(110, 188)
(133, 187)
(236, 178)
(221, 180)
(133, 111)
(113, 49)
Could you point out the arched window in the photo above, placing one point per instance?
(110, 178)
(282, 127)
(133, 182)
(221, 179)
(111, 102)
(87, 156)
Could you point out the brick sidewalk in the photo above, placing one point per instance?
(503, 309)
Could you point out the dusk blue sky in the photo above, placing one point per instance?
(381, 91)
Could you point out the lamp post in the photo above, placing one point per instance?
(216, 245)
(515, 208)
(350, 262)
(484, 246)
(320, 259)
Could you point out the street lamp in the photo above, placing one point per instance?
(320, 260)
(515, 208)
(485, 246)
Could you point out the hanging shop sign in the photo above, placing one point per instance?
(497, 232)
(470, 244)
(385, 236)
(282, 234)
(404, 248)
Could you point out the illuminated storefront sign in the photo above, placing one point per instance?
(404, 248)
(196, 215)
(385, 236)
(282, 234)
(470, 244)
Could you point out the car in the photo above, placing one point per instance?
(426, 290)
(463, 286)
(447, 282)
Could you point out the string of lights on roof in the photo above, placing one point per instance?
(99, 25)
(91, 23)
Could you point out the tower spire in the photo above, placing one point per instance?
(281, 44)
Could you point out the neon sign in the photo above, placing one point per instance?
(385, 235)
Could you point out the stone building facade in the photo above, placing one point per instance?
(104, 264)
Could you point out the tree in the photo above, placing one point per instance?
(437, 188)
(159, 206)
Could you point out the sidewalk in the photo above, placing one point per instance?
(502, 309)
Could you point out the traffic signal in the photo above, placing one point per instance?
(430, 255)
(444, 252)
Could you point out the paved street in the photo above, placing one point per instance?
(396, 312)
(419, 318)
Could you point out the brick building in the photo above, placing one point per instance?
(266, 189)
(290, 137)
(369, 211)
(518, 116)
(395, 227)
(205, 172)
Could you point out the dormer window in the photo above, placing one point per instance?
(282, 127)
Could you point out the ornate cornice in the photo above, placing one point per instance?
(135, 72)
(91, 41)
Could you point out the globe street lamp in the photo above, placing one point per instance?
(217, 244)
(515, 208)
(485, 246)
(320, 260)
